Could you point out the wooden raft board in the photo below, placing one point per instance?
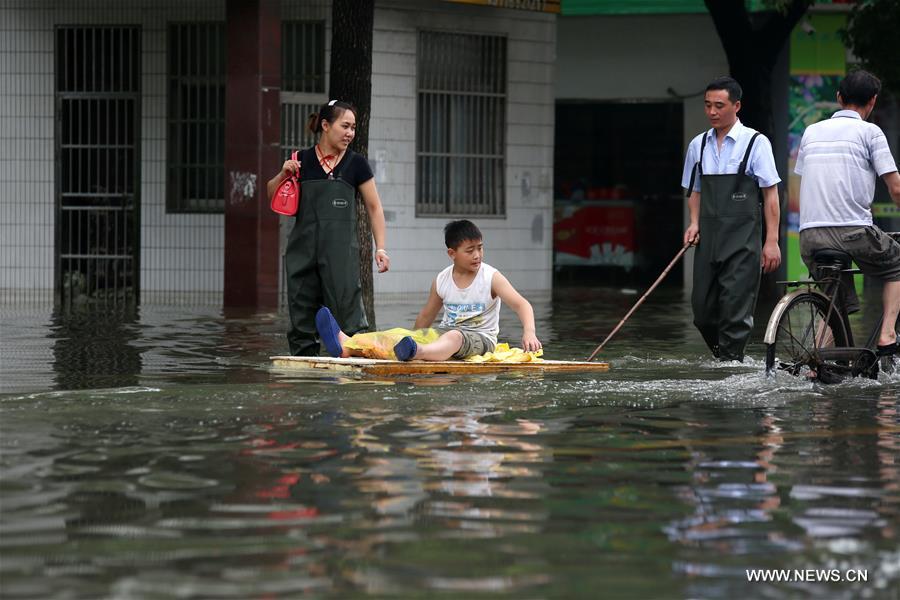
(370, 366)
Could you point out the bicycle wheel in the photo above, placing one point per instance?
(802, 330)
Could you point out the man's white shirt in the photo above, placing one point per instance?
(838, 161)
(727, 160)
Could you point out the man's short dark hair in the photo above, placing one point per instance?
(457, 232)
(730, 85)
(859, 87)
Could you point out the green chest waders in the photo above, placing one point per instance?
(727, 259)
(322, 263)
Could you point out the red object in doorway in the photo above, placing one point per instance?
(600, 235)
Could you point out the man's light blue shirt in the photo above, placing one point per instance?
(726, 160)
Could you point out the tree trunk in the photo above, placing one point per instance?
(752, 43)
(351, 81)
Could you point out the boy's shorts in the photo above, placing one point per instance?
(473, 343)
(875, 252)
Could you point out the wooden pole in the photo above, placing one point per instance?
(639, 302)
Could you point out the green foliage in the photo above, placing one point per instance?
(871, 34)
(780, 6)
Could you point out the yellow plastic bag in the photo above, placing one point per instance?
(380, 344)
(503, 353)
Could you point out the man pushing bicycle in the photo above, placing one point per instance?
(838, 162)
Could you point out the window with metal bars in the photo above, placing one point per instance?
(98, 94)
(303, 56)
(196, 117)
(461, 124)
(302, 80)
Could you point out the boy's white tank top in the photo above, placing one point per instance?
(472, 308)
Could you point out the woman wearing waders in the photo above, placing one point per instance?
(322, 255)
(730, 173)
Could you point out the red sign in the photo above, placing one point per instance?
(595, 235)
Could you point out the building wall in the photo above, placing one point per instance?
(179, 253)
(182, 254)
(641, 57)
(519, 244)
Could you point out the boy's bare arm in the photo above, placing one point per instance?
(504, 290)
(430, 310)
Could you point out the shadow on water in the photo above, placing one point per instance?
(160, 456)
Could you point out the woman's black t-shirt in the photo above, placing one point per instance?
(353, 168)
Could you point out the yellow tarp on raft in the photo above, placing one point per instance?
(503, 353)
(380, 344)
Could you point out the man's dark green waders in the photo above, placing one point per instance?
(322, 263)
(727, 259)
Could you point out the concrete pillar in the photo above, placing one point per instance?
(252, 151)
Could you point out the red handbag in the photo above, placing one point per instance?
(286, 199)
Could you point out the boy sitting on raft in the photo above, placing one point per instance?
(470, 293)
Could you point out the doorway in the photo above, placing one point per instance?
(617, 187)
(97, 246)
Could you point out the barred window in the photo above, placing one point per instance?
(196, 116)
(461, 120)
(302, 80)
(196, 119)
(303, 56)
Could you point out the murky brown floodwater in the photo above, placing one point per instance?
(161, 457)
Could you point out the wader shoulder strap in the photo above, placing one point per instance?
(743, 167)
(699, 166)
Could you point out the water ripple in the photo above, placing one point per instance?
(161, 457)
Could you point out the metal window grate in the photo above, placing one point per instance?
(196, 122)
(295, 111)
(461, 122)
(303, 81)
(303, 56)
(196, 118)
(97, 137)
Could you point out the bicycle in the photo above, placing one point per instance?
(809, 329)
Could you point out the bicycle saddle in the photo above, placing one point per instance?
(831, 257)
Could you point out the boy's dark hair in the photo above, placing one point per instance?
(857, 88)
(730, 85)
(457, 232)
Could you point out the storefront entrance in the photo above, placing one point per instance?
(97, 146)
(618, 209)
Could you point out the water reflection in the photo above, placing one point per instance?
(173, 463)
(92, 352)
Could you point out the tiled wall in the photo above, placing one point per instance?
(519, 244)
(179, 252)
(182, 255)
(26, 150)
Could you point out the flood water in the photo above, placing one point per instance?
(161, 457)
